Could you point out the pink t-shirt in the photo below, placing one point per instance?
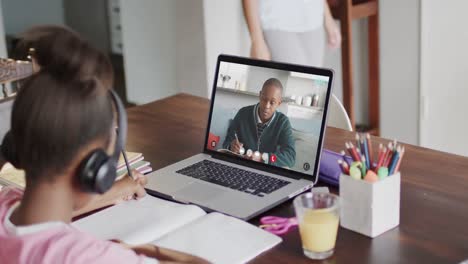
(58, 243)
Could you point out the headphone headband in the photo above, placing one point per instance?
(122, 127)
(98, 171)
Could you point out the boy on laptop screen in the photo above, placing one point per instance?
(268, 115)
(260, 128)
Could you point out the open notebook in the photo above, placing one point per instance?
(215, 237)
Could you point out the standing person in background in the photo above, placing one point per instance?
(291, 31)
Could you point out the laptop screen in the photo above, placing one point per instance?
(269, 113)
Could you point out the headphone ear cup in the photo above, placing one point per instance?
(8, 150)
(105, 177)
(97, 172)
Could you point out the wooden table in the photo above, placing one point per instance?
(434, 191)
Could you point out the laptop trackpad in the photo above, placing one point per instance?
(198, 192)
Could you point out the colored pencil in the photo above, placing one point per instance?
(344, 167)
(358, 142)
(363, 167)
(388, 155)
(343, 154)
(352, 151)
(356, 152)
(397, 168)
(371, 152)
(393, 163)
(361, 145)
(379, 154)
(366, 152)
(381, 159)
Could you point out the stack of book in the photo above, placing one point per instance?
(136, 161)
(10, 176)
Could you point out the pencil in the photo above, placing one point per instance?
(379, 154)
(363, 167)
(366, 152)
(388, 155)
(362, 146)
(344, 167)
(358, 142)
(371, 153)
(127, 164)
(354, 152)
(393, 163)
(343, 155)
(381, 158)
(397, 168)
(350, 151)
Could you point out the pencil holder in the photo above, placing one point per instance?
(370, 208)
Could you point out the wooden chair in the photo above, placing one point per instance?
(346, 11)
(10, 72)
(337, 116)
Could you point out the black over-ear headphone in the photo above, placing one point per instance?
(97, 172)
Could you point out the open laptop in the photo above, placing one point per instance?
(263, 140)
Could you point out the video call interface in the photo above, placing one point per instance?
(268, 115)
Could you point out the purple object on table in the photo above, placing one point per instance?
(278, 225)
(329, 169)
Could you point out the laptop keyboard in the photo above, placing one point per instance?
(234, 178)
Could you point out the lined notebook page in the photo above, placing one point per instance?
(220, 239)
(137, 222)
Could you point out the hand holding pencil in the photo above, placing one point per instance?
(236, 145)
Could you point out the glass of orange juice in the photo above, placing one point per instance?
(318, 217)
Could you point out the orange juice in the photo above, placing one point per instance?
(318, 230)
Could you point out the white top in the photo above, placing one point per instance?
(291, 15)
(29, 229)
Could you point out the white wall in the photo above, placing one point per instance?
(182, 40)
(360, 76)
(3, 50)
(190, 46)
(149, 37)
(5, 108)
(22, 14)
(225, 32)
(95, 26)
(88, 17)
(399, 69)
(256, 77)
(307, 87)
(164, 49)
(444, 75)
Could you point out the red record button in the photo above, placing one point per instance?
(273, 158)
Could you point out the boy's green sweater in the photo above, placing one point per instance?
(276, 138)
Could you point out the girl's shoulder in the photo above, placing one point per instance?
(10, 195)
